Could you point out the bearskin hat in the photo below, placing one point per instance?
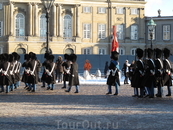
(114, 55)
(26, 56)
(73, 57)
(139, 53)
(66, 56)
(150, 52)
(11, 58)
(46, 55)
(158, 52)
(51, 57)
(5, 57)
(166, 52)
(15, 55)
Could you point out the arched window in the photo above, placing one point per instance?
(20, 25)
(67, 29)
(132, 52)
(43, 51)
(21, 51)
(69, 51)
(43, 25)
(121, 51)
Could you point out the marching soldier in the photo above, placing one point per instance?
(158, 72)
(167, 71)
(138, 74)
(149, 77)
(50, 72)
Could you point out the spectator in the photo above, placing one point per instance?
(87, 65)
(126, 71)
(59, 69)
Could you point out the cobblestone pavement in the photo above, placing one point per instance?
(90, 109)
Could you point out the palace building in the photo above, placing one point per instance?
(75, 26)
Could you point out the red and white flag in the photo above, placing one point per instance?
(115, 46)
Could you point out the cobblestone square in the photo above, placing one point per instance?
(90, 109)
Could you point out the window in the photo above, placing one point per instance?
(121, 51)
(1, 50)
(86, 30)
(87, 51)
(43, 25)
(133, 51)
(119, 30)
(166, 32)
(102, 51)
(87, 9)
(149, 38)
(67, 29)
(101, 31)
(1, 28)
(0, 5)
(134, 32)
(134, 11)
(101, 10)
(21, 51)
(20, 25)
(119, 10)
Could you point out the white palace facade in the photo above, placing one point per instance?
(76, 26)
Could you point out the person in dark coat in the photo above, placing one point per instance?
(50, 72)
(12, 69)
(167, 80)
(26, 73)
(43, 77)
(113, 77)
(131, 70)
(66, 70)
(158, 72)
(33, 77)
(73, 76)
(149, 77)
(138, 74)
(125, 69)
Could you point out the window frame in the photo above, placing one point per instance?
(131, 51)
(131, 32)
(121, 31)
(119, 10)
(86, 9)
(43, 22)
(134, 11)
(101, 10)
(1, 6)
(102, 50)
(121, 51)
(1, 28)
(167, 25)
(86, 50)
(88, 32)
(102, 31)
(19, 29)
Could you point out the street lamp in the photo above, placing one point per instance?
(47, 5)
(151, 26)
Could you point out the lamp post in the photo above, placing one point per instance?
(47, 5)
(151, 26)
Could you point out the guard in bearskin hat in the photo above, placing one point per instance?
(149, 77)
(66, 70)
(33, 77)
(50, 72)
(26, 72)
(113, 75)
(167, 80)
(43, 77)
(138, 74)
(73, 75)
(158, 71)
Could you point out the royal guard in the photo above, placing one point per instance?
(149, 77)
(138, 74)
(167, 80)
(26, 72)
(50, 72)
(66, 70)
(113, 76)
(158, 72)
(43, 77)
(33, 77)
(73, 76)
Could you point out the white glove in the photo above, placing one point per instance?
(11, 72)
(5, 72)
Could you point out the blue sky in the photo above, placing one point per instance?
(152, 7)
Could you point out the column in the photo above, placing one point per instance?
(30, 19)
(36, 20)
(54, 20)
(11, 19)
(59, 19)
(77, 21)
